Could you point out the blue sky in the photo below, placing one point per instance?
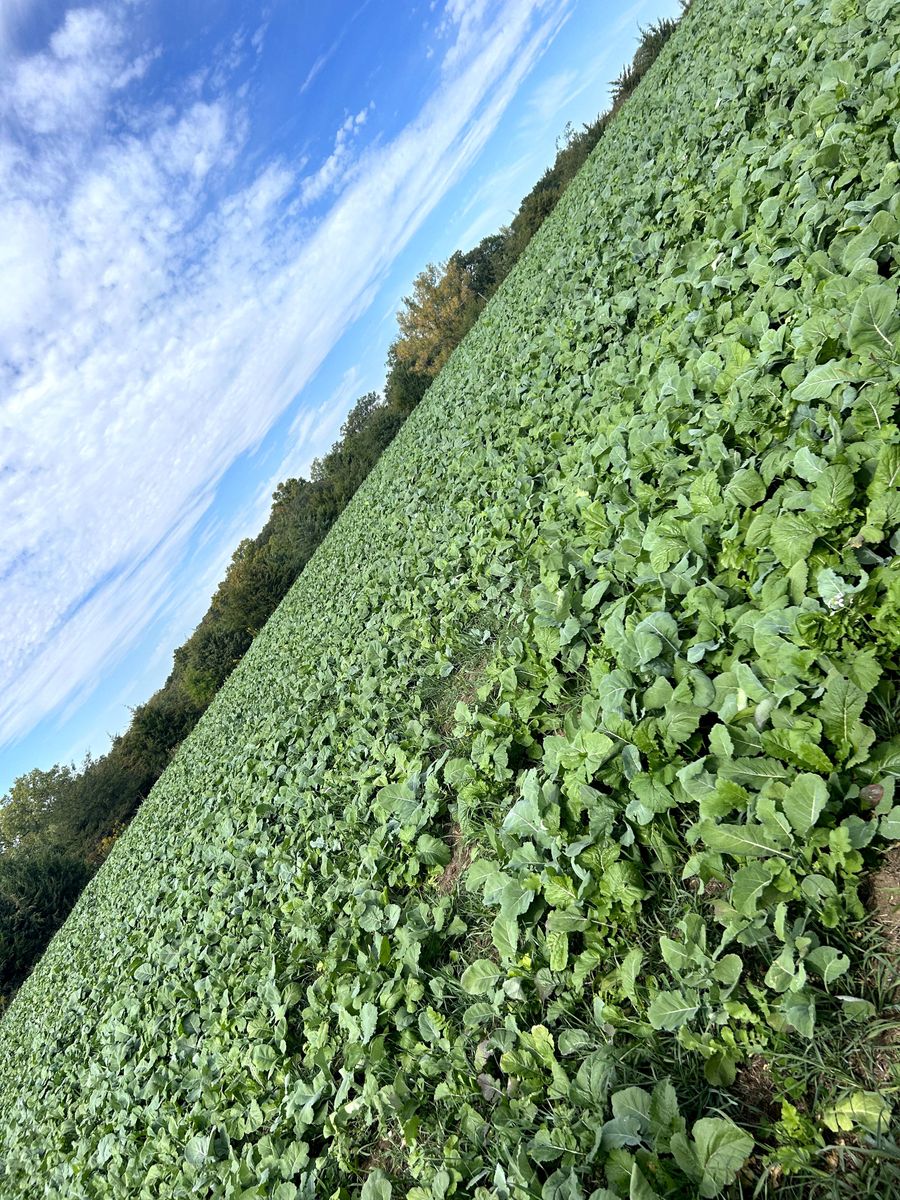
(209, 213)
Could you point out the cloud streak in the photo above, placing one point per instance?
(165, 316)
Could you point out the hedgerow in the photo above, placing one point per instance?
(524, 853)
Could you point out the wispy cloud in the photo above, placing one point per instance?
(323, 59)
(334, 170)
(316, 68)
(67, 85)
(629, 16)
(553, 94)
(157, 317)
(492, 213)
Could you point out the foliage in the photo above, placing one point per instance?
(38, 886)
(653, 38)
(447, 300)
(31, 811)
(539, 948)
(436, 317)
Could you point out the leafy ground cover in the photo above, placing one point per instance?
(525, 853)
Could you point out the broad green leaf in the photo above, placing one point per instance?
(629, 971)
(834, 488)
(875, 322)
(197, 1150)
(860, 248)
(505, 935)
(799, 1010)
(857, 1009)
(822, 380)
(785, 974)
(263, 1057)
(647, 646)
(793, 746)
(377, 1186)
(671, 1010)
(594, 595)
(748, 885)
(869, 1111)
(561, 1185)
(829, 962)
(791, 537)
(632, 1102)
(751, 840)
(558, 950)
(720, 1069)
(677, 956)
(804, 802)
(593, 1081)
(663, 1115)
(403, 802)
(524, 818)
(807, 465)
(727, 970)
(887, 473)
(559, 890)
(574, 1041)
(542, 1043)
(721, 1149)
(368, 1022)
(720, 742)
(746, 487)
(841, 708)
(287, 1190)
(639, 1187)
(432, 850)
(754, 772)
(817, 889)
(480, 977)
(832, 588)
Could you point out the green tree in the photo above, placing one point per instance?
(30, 815)
(38, 886)
(157, 729)
(404, 387)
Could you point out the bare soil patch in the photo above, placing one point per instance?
(462, 855)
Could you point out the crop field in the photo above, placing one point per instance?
(525, 855)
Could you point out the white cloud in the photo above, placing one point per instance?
(159, 330)
(552, 94)
(316, 69)
(259, 36)
(464, 20)
(67, 85)
(491, 200)
(335, 169)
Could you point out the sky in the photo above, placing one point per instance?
(209, 215)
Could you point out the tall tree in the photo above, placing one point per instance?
(31, 814)
(436, 317)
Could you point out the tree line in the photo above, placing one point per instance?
(57, 826)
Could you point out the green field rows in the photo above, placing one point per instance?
(524, 854)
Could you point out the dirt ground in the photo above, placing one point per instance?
(884, 899)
